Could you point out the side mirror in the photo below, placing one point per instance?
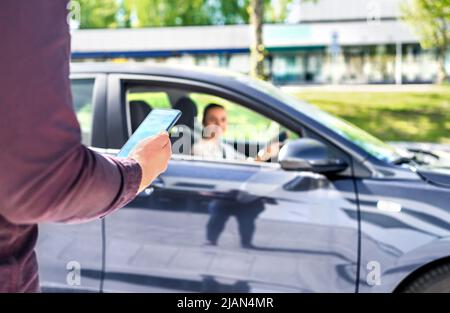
(309, 155)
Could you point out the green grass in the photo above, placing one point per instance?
(391, 116)
(158, 100)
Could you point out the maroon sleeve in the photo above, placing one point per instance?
(46, 174)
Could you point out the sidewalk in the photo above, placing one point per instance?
(364, 88)
(441, 150)
(422, 145)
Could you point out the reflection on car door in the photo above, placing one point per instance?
(70, 256)
(274, 231)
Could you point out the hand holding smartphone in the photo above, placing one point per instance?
(149, 147)
(157, 121)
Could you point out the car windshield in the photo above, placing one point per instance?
(361, 138)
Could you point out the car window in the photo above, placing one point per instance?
(243, 123)
(154, 99)
(247, 131)
(372, 145)
(82, 94)
(141, 100)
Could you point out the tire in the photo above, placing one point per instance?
(436, 280)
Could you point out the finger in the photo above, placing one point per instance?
(167, 149)
(160, 140)
(167, 142)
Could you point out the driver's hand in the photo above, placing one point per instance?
(153, 155)
(269, 152)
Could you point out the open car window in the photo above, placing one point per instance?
(243, 123)
(247, 132)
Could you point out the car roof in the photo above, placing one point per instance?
(196, 73)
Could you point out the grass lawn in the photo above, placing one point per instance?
(390, 116)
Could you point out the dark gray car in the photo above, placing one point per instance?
(339, 211)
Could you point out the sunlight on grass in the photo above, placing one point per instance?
(394, 116)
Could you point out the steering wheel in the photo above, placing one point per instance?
(280, 138)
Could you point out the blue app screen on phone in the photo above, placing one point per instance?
(157, 121)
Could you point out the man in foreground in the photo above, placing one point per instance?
(46, 174)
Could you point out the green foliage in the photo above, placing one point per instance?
(98, 14)
(276, 11)
(229, 12)
(149, 13)
(430, 19)
(146, 13)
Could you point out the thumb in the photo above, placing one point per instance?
(162, 138)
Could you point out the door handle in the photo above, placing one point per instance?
(157, 183)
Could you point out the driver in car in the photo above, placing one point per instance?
(211, 146)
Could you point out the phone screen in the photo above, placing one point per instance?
(157, 121)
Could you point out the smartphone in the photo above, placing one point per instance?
(157, 121)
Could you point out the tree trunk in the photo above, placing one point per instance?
(442, 73)
(257, 47)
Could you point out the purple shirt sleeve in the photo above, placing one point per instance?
(47, 175)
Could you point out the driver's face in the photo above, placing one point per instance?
(216, 122)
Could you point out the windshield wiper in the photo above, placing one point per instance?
(422, 151)
(404, 160)
(415, 159)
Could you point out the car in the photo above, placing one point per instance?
(337, 211)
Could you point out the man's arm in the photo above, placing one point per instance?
(46, 174)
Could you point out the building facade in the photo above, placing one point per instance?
(329, 41)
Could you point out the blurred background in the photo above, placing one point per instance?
(380, 64)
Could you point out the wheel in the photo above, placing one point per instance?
(436, 280)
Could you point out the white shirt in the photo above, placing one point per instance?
(214, 149)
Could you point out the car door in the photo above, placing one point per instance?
(70, 256)
(277, 230)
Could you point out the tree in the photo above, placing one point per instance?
(151, 13)
(98, 14)
(210, 12)
(228, 12)
(256, 12)
(276, 10)
(261, 11)
(430, 19)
